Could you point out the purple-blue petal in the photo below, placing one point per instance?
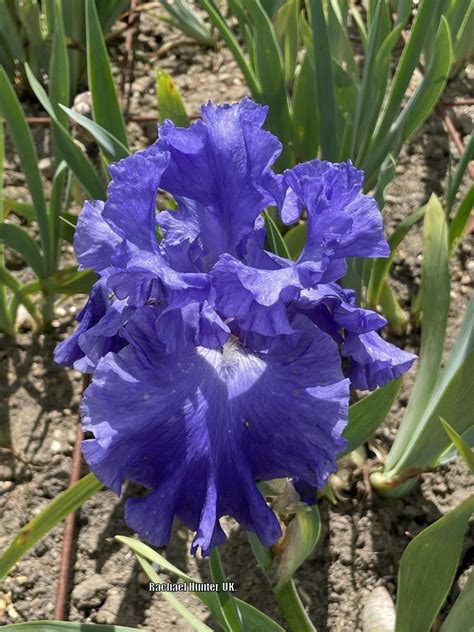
(199, 428)
(342, 222)
(373, 361)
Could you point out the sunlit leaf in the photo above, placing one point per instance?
(462, 447)
(169, 101)
(428, 567)
(368, 414)
(105, 104)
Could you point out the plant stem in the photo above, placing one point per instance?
(293, 609)
(47, 311)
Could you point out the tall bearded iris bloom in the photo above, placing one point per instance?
(214, 362)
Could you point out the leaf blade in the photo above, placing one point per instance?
(105, 104)
(49, 517)
(434, 553)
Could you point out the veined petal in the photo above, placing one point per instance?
(200, 428)
(256, 298)
(333, 308)
(131, 196)
(342, 222)
(97, 334)
(221, 163)
(373, 361)
(94, 239)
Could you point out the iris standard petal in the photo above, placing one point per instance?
(222, 163)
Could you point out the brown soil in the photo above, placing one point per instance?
(363, 537)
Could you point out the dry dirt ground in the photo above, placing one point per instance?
(363, 537)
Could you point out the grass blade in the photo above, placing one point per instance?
(55, 206)
(381, 267)
(253, 619)
(59, 81)
(364, 108)
(18, 239)
(407, 64)
(419, 106)
(6, 325)
(19, 297)
(111, 146)
(458, 224)
(105, 104)
(10, 35)
(287, 32)
(180, 608)
(210, 600)
(295, 240)
(271, 74)
(229, 38)
(455, 181)
(70, 281)
(460, 616)
(276, 242)
(229, 608)
(461, 446)
(305, 113)
(47, 519)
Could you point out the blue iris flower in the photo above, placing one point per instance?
(214, 362)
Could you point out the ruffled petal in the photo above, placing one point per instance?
(221, 163)
(333, 308)
(198, 429)
(131, 196)
(97, 334)
(94, 239)
(373, 361)
(342, 222)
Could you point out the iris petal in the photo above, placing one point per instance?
(213, 422)
(374, 362)
(216, 363)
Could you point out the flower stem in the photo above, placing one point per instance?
(292, 608)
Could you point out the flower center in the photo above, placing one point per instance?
(235, 366)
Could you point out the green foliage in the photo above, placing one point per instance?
(105, 105)
(43, 255)
(169, 101)
(27, 35)
(366, 415)
(179, 15)
(421, 441)
(328, 103)
(460, 615)
(463, 448)
(427, 571)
